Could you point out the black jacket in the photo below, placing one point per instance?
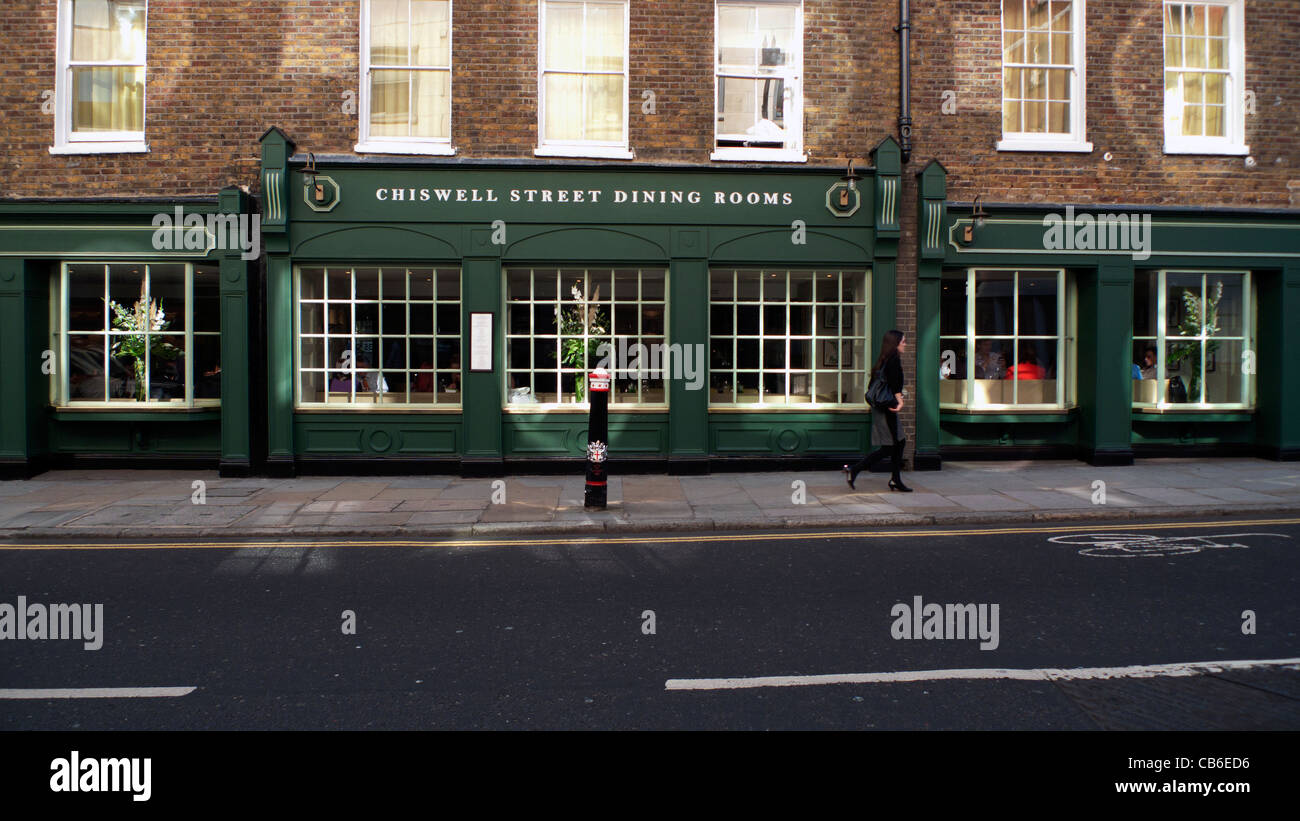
(893, 372)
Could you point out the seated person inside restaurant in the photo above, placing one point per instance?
(1028, 368)
(1146, 370)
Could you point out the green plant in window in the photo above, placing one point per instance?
(142, 321)
(1193, 324)
(581, 328)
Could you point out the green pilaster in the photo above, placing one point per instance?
(23, 334)
(276, 150)
(931, 212)
(279, 366)
(1104, 362)
(236, 452)
(482, 397)
(688, 410)
(1277, 368)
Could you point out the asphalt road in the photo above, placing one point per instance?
(519, 633)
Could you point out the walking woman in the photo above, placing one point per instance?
(886, 429)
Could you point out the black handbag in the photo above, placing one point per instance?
(878, 395)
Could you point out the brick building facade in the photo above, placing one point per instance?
(218, 76)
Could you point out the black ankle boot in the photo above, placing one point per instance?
(896, 483)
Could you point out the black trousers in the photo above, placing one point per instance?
(894, 452)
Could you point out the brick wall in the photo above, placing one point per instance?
(220, 73)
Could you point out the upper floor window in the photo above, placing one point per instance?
(406, 77)
(1006, 339)
(99, 88)
(582, 80)
(759, 91)
(1192, 339)
(1205, 78)
(1043, 76)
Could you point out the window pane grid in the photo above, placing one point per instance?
(410, 69)
(583, 86)
(1037, 66)
(1198, 82)
(787, 337)
(1191, 357)
(385, 335)
(558, 319)
(1003, 339)
(129, 335)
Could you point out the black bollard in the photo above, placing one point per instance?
(597, 439)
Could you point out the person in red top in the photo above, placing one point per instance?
(1028, 367)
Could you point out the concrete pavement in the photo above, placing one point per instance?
(84, 504)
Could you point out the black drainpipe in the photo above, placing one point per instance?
(904, 29)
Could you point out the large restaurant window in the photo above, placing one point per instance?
(100, 83)
(1006, 339)
(148, 334)
(1205, 64)
(1043, 76)
(783, 337)
(558, 319)
(371, 336)
(759, 93)
(582, 83)
(1192, 339)
(406, 77)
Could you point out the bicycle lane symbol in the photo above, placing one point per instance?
(1133, 545)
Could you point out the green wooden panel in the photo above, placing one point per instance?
(315, 438)
(441, 440)
(144, 438)
(566, 435)
(1009, 433)
(783, 434)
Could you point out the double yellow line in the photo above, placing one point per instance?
(580, 539)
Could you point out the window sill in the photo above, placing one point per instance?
(1225, 150)
(1075, 146)
(101, 148)
(1194, 412)
(596, 152)
(363, 408)
(758, 155)
(773, 408)
(74, 413)
(583, 408)
(428, 149)
(1010, 414)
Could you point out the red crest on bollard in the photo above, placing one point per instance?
(599, 380)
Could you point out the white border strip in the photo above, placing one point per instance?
(97, 692)
(1193, 668)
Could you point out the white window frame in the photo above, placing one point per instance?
(860, 336)
(1233, 143)
(61, 389)
(375, 399)
(368, 144)
(597, 149)
(1162, 338)
(1066, 331)
(794, 90)
(1076, 140)
(561, 370)
(99, 142)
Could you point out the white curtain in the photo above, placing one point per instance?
(581, 39)
(108, 98)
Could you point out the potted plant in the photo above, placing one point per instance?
(142, 322)
(1193, 324)
(581, 327)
